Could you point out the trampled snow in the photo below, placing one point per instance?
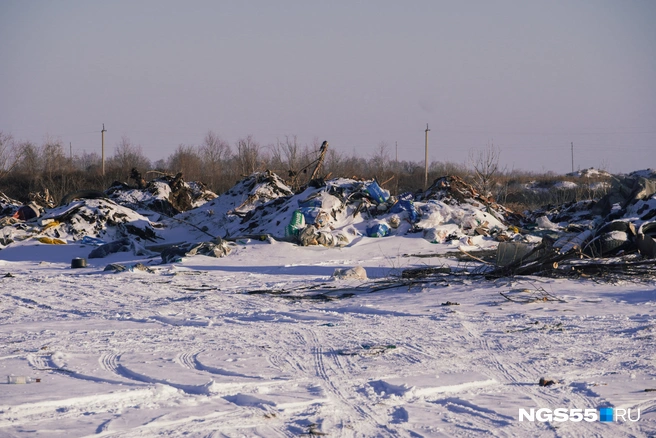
(186, 350)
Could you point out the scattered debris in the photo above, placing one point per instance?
(424, 272)
(526, 296)
(313, 429)
(546, 382)
(217, 248)
(117, 267)
(122, 245)
(367, 350)
(8, 206)
(78, 263)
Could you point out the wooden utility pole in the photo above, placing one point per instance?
(70, 150)
(103, 149)
(426, 161)
(572, 157)
(397, 151)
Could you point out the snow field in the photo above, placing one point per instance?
(186, 350)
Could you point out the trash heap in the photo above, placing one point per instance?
(454, 209)
(98, 218)
(167, 195)
(615, 234)
(334, 212)
(160, 213)
(232, 214)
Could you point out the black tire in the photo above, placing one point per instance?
(614, 241)
(82, 194)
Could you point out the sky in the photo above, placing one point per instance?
(529, 77)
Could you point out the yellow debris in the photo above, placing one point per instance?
(50, 225)
(51, 241)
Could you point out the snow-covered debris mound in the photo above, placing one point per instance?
(167, 195)
(590, 173)
(612, 224)
(579, 212)
(644, 173)
(101, 218)
(546, 186)
(454, 190)
(232, 213)
(592, 181)
(264, 204)
(340, 210)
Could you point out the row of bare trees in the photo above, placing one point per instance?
(26, 167)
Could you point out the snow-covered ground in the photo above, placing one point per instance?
(199, 349)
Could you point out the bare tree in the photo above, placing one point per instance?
(286, 154)
(29, 159)
(248, 155)
(380, 159)
(485, 163)
(334, 162)
(186, 159)
(215, 153)
(126, 157)
(8, 154)
(53, 157)
(88, 162)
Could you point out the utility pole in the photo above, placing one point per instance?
(70, 149)
(103, 149)
(572, 157)
(397, 151)
(426, 161)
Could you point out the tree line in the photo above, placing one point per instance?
(26, 167)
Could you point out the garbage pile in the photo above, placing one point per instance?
(167, 195)
(232, 214)
(455, 209)
(154, 216)
(614, 233)
(334, 212)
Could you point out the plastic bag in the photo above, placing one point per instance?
(376, 193)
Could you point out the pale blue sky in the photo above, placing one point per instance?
(529, 76)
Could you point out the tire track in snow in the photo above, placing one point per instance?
(46, 362)
(523, 378)
(333, 383)
(280, 357)
(109, 362)
(284, 360)
(476, 418)
(189, 360)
